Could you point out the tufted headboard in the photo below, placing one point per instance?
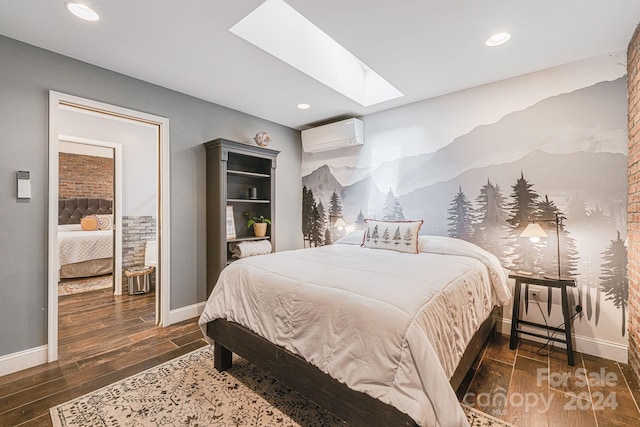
(71, 210)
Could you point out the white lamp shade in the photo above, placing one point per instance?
(340, 223)
(534, 231)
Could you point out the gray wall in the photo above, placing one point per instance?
(139, 155)
(26, 75)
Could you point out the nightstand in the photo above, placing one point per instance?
(562, 284)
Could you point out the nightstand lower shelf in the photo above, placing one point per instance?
(515, 317)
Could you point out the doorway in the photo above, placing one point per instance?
(131, 125)
(90, 178)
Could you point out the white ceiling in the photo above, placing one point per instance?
(425, 48)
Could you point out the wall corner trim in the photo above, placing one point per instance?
(24, 359)
(185, 313)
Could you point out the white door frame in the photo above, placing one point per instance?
(57, 99)
(117, 209)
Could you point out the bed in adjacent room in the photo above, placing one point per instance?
(85, 237)
(372, 335)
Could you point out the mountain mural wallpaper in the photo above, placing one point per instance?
(563, 156)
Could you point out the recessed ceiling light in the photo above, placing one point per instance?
(82, 11)
(498, 39)
(304, 106)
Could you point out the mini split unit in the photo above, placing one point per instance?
(345, 133)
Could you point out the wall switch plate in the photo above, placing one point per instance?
(23, 180)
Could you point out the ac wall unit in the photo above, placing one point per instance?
(345, 133)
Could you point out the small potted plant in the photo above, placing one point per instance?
(258, 223)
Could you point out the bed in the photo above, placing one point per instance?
(83, 253)
(376, 337)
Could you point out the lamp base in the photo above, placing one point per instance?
(524, 273)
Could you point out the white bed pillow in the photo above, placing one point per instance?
(353, 238)
(401, 236)
(69, 227)
(105, 222)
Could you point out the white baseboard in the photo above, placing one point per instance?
(24, 359)
(186, 313)
(588, 345)
(18, 361)
(37, 356)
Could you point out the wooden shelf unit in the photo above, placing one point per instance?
(233, 168)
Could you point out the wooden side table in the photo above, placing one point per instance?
(562, 284)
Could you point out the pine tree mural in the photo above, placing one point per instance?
(398, 212)
(312, 220)
(589, 265)
(570, 261)
(327, 237)
(335, 207)
(577, 211)
(522, 254)
(597, 217)
(523, 207)
(547, 210)
(308, 204)
(598, 229)
(322, 218)
(460, 217)
(360, 220)
(335, 213)
(315, 236)
(392, 210)
(614, 277)
(490, 220)
(389, 203)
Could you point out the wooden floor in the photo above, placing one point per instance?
(103, 339)
(525, 387)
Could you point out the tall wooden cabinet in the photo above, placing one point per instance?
(233, 171)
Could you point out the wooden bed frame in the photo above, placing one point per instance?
(353, 407)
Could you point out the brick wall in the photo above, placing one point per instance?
(136, 231)
(633, 82)
(85, 176)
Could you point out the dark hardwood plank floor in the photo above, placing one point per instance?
(526, 387)
(102, 339)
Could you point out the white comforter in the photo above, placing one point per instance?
(79, 246)
(388, 324)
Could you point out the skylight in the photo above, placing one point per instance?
(281, 31)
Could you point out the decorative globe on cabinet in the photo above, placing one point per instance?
(262, 139)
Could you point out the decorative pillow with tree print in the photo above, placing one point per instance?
(401, 236)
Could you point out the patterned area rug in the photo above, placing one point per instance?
(190, 391)
(85, 284)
